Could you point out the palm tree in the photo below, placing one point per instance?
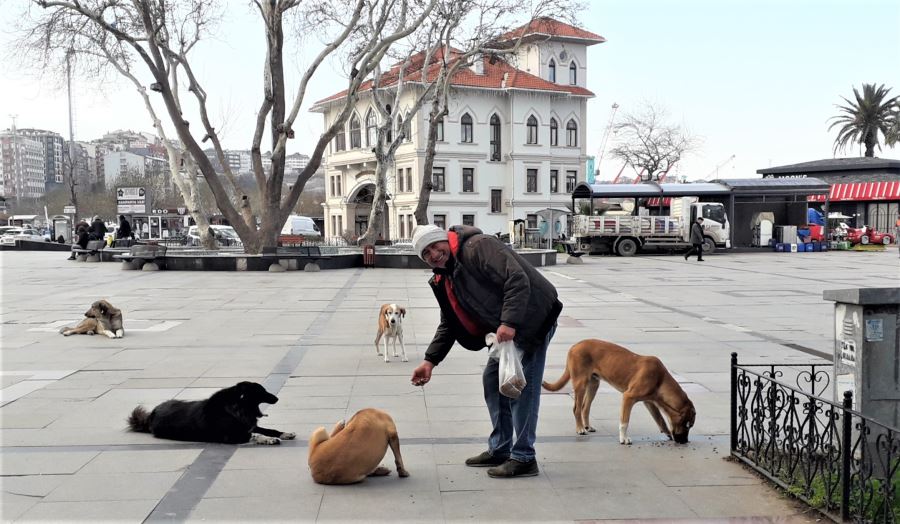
(862, 120)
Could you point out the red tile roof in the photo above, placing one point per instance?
(550, 27)
(493, 78)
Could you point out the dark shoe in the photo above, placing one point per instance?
(484, 460)
(71, 257)
(514, 468)
(699, 260)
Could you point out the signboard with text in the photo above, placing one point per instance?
(131, 200)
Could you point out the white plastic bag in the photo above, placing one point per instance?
(511, 375)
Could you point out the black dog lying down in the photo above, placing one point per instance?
(229, 416)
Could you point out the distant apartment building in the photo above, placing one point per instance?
(132, 163)
(131, 139)
(22, 165)
(53, 155)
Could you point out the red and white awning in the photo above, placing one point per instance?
(861, 191)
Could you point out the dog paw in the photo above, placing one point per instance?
(401, 472)
(581, 431)
(405, 359)
(591, 429)
(91, 333)
(288, 436)
(626, 441)
(266, 441)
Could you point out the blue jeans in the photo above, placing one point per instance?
(515, 420)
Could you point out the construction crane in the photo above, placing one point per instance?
(606, 134)
(719, 166)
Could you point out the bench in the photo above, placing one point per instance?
(574, 254)
(90, 253)
(290, 240)
(146, 257)
(292, 255)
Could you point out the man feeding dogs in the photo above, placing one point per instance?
(482, 286)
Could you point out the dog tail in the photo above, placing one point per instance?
(139, 420)
(556, 386)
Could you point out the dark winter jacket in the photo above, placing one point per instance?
(124, 229)
(98, 229)
(496, 286)
(696, 233)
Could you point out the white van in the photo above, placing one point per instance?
(300, 225)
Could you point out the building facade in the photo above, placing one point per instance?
(53, 156)
(22, 165)
(511, 148)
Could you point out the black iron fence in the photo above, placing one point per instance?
(823, 452)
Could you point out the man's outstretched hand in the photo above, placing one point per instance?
(422, 374)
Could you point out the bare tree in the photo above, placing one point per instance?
(386, 142)
(160, 35)
(469, 31)
(650, 145)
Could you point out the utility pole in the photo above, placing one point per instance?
(72, 195)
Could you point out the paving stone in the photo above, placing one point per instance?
(92, 511)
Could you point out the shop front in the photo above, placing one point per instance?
(864, 191)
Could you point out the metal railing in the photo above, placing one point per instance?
(825, 453)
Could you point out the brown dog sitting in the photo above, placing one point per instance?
(102, 318)
(639, 378)
(354, 450)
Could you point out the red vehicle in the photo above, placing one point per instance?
(867, 235)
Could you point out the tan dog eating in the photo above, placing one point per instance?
(639, 378)
(354, 450)
(390, 328)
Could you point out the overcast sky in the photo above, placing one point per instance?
(754, 79)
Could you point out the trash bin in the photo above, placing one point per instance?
(368, 256)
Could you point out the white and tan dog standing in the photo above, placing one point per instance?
(390, 330)
(353, 451)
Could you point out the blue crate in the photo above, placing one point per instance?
(779, 247)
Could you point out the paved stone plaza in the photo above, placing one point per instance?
(308, 337)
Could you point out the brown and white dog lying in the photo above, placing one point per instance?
(390, 328)
(102, 318)
(639, 378)
(354, 450)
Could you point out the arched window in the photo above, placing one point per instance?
(554, 132)
(390, 129)
(572, 134)
(371, 134)
(532, 130)
(552, 66)
(466, 131)
(495, 137)
(573, 73)
(355, 137)
(407, 128)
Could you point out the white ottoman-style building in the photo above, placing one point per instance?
(512, 145)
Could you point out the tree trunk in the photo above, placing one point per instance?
(434, 116)
(379, 201)
(870, 142)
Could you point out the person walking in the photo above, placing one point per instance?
(124, 231)
(696, 240)
(482, 286)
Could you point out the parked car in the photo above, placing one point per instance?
(225, 236)
(21, 233)
(866, 235)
